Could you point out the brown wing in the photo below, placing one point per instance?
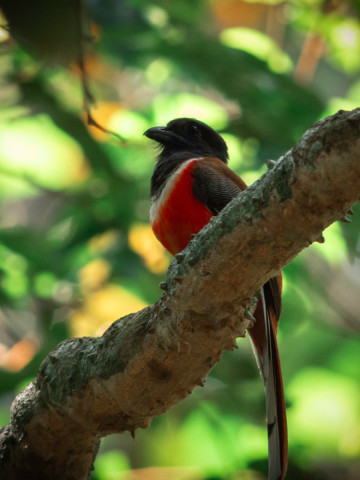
(215, 185)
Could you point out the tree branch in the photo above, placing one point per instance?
(148, 361)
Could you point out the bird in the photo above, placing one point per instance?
(192, 182)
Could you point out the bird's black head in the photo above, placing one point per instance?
(180, 140)
(190, 136)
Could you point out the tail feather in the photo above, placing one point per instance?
(265, 348)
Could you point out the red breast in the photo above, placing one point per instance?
(177, 213)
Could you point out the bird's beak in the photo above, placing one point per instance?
(156, 133)
(162, 135)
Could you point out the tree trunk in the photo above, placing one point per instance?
(148, 361)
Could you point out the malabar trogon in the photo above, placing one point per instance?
(191, 183)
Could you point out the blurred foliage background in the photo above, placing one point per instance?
(76, 249)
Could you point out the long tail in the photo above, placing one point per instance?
(263, 336)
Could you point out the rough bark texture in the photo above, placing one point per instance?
(148, 361)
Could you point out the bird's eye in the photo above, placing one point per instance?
(193, 130)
